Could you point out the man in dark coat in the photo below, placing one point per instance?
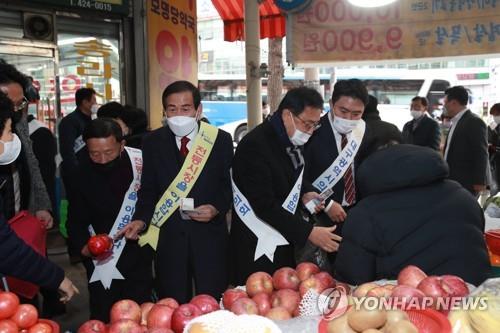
(104, 182)
(411, 214)
(267, 163)
(380, 131)
(422, 130)
(466, 147)
(192, 244)
(72, 149)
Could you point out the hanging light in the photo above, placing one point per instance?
(370, 3)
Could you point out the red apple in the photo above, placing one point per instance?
(306, 269)
(286, 278)
(125, 326)
(405, 294)
(454, 285)
(160, 330)
(93, 326)
(232, 295)
(182, 315)
(364, 288)
(205, 303)
(145, 308)
(244, 306)
(26, 315)
(326, 278)
(278, 313)
(263, 302)
(160, 315)
(259, 282)
(431, 286)
(99, 244)
(311, 283)
(286, 298)
(125, 309)
(8, 304)
(169, 302)
(411, 276)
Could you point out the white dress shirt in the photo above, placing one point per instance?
(338, 141)
(454, 122)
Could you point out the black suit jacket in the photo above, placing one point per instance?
(426, 134)
(468, 152)
(264, 173)
(321, 151)
(162, 162)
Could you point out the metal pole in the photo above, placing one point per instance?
(252, 57)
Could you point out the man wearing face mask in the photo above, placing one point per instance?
(184, 197)
(422, 130)
(466, 146)
(268, 226)
(336, 150)
(25, 188)
(105, 200)
(72, 149)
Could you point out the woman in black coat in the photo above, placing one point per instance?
(411, 214)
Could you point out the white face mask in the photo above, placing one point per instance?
(298, 138)
(181, 125)
(496, 119)
(416, 114)
(93, 109)
(11, 150)
(344, 126)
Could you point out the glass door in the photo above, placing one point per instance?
(39, 65)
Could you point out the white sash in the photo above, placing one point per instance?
(78, 144)
(268, 238)
(342, 163)
(106, 271)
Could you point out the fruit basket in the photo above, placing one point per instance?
(429, 321)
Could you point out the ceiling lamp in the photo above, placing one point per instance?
(370, 3)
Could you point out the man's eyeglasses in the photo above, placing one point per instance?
(309, 125)
(21, 105)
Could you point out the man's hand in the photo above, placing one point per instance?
(324, 238)
(46, 218)
(85, 251)
(131, 231)
(479, 188)
(203, 213)
(336, 213)
(311, 196)
(68, 289)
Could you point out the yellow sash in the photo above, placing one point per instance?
(182, 184)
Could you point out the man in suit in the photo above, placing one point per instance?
(347, 106)
(192, 244)
(466, 147)
(422, 130)
(106, 181)
(267, 170)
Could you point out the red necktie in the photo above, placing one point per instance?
(184, 149)
(349, 190)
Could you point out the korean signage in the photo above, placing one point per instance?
(172, 49)
(105, 6)
(334, 30)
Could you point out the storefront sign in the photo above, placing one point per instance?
(106, 6)
(172, 49)
(335, 31)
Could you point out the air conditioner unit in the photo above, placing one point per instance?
(38, 26)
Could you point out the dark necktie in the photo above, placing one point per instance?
(184, 149)
(349, 190)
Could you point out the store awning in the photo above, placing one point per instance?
(272, 22)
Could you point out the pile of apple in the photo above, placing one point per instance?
(277, 297)
(15, 317)
(414, 283)
(166, 316)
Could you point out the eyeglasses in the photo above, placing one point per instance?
(21, 105)
(309, 125)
